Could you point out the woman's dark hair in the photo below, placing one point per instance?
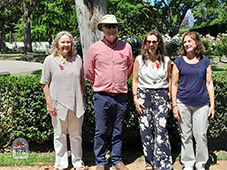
(161, 50)
(199, 50)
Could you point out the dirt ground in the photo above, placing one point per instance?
(138, 164)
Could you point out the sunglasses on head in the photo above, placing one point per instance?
(109, 26)
(153, 42)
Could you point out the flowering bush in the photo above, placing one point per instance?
(135, 42)
(172, 45)
(215, 46)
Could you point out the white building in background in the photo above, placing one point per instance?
(39, 46)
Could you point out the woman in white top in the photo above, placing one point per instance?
(63, 86)
(151, 84)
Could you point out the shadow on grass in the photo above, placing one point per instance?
(133, 151)
(217, 68)
(130, 153)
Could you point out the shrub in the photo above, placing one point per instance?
(218, 124)
(23, 112)
(135, 42)
(131, 130)
(23, 109)
(172, 44)
(215, 46)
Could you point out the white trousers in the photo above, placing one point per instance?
(73, 126)
(194, 122)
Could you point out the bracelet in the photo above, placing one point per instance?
(135, 94)
(174, 105)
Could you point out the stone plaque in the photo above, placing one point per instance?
(20, 149)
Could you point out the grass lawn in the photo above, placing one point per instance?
(47, 158)
(39, 56)
(219, 67)
(34, 157)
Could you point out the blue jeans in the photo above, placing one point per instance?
(108, 109)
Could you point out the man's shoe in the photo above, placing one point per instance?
(121, 166)
(100, 167)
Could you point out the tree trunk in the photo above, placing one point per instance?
(27, 29)
(3, 39)
(89, 13)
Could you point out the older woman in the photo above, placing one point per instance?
(151, 84)
(191, 101)
(63, 86)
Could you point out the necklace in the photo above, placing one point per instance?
(63, 60)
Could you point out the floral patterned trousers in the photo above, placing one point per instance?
(154, 135)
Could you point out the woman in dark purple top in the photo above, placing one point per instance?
(191, 100)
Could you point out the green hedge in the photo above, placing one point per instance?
(23, 113)
(23, 110)
(218, 125)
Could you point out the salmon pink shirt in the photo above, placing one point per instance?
(108, 67)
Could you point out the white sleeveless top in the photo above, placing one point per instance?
(152, 78)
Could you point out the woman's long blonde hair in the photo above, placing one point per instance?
(55, 48)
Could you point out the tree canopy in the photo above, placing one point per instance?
(210, 13)
(48, 17)
(166, 16)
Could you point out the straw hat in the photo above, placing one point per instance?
(107, 19)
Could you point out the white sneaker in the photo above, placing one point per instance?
(80, 168)
(188, 168)
(58, 168)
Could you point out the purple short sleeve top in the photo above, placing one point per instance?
(192, 86)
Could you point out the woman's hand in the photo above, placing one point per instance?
(138, 106)
(176, 112)
(211, 112)
(51, 109)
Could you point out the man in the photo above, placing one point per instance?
(108, 66)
